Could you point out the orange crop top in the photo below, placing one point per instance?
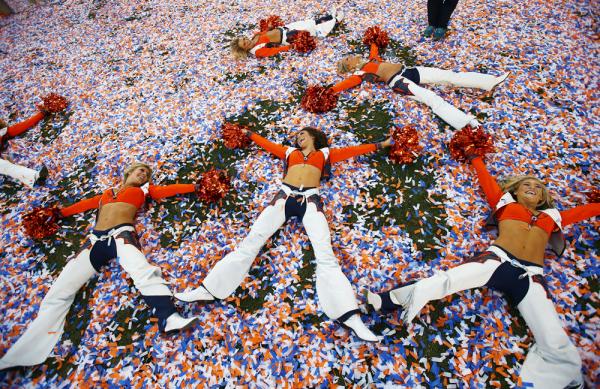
(370, 67)
(516, 211)
(315, 158)
(131, 195)
(266, 50)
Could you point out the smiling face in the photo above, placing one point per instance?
(138, 176)
(304, 140)
(348, 64)
(245, 43)
(530, 191)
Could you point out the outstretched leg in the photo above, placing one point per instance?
(36, 343)
(149, 281)
(230, 271)
(333, 288)
(413, 297)
(553, 361)
(449, 113)
(25, 175)
(320, 27)
(429, 75)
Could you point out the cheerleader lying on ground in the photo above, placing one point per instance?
(298, 197)
(113, 237)
(279, 39)
(527, 221)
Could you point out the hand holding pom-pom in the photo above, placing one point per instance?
(593, 196)
(41, 222)
(469, 143)
(303, 42)
(53, 103)
(212, 186)
(235, 136)
(377, 36)
(406, 147)
(270, 23)
(319, 99)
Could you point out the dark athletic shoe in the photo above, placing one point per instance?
(428, 32)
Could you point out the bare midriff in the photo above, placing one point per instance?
(303, 175)
(522, 240)
(113, 214)
(387, 70)
(273, 35)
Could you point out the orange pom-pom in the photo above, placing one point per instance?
(593, 196)
(406, 147)
(41, 222)
(469, 142)
(213, 186)
(233, 136)
(270, 23)
(319, 99)
(377, 36)
(303, 42)
(53, 103)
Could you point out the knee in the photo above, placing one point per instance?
(440, 278)
(327, 260)
(58, 296)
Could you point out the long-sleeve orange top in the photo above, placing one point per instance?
(516, 211)
(131, 195)
(370, 67)
(316, 158)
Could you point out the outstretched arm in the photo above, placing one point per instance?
(21, 127)
(81, 206)
(490, 187)
(374, 53)
(157, 192)
(271, 51)
(579, 213)
(348, 83)
(341, 154)
(273, 148)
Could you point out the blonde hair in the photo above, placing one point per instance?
(134, 166)
(343, 68)
(236, 50)
(512, 184)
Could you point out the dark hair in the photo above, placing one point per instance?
(319, 137)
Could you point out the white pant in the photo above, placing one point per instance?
(37, 342)
(319, 30)
(552, 362)
(333, 288)
(434, 76)
(20, 173)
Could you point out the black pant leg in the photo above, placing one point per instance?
(446, 12)
(433, 11)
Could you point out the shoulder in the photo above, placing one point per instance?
(289, 151)
(325, 151)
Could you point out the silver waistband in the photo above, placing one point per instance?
(529, 270)
(110, 234)
(306, 193)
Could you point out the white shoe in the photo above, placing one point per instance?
(200, 293)
(474, 124)
(337, 15)
(359, 328)
(176, 322)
